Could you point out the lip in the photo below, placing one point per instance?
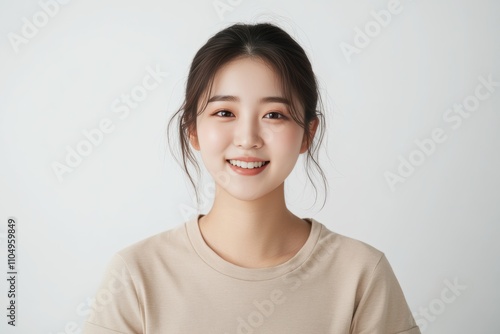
(246, 171)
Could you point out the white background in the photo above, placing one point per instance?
(440, 225)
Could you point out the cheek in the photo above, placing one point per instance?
(285, 147)
(287, 140)
(212, 138)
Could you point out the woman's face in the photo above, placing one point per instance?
(247, 116)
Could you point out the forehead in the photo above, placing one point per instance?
(247, 77)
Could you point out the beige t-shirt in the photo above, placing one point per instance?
(173, 282)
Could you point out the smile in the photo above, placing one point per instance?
(247, 168)
(247, 165)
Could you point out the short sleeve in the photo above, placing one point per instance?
(116, 307)
(382, 308)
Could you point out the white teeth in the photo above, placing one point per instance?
(248, 165)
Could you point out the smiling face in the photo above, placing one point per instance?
(248, 116)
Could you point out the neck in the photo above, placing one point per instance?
(257, 233)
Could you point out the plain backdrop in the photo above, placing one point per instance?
(405, 95)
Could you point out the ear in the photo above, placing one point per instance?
(193, 139)
(313, 125)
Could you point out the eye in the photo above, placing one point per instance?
(224, 111)
(281, 116)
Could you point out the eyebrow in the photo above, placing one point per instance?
(231, 98)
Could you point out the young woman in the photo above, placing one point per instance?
(250, 265)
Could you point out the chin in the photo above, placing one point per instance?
(245, 194)
(250, 193)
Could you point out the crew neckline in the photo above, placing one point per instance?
(211, 258)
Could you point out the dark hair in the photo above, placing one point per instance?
(275, 47)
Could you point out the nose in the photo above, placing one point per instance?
(247, 134)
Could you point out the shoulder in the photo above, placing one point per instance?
(347, 259)
(155, 248)
(359, 268)
(347, 246)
